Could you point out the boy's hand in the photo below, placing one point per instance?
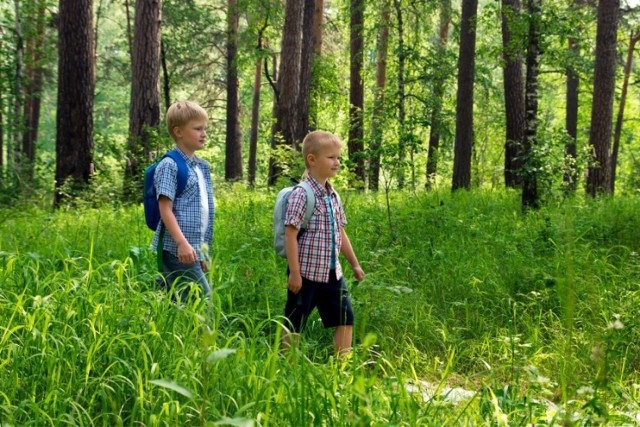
(186, 254)
(358, 273)
(294, 283)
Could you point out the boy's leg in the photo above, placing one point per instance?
(176, 273)
(334, 305)
(342, 339)
(296, 312)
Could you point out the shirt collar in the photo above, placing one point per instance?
(319, 188)
(191, 161)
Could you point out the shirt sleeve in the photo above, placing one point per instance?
(165, 178)
(296, 206)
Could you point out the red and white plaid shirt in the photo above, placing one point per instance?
(314, 246)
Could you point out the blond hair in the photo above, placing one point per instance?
(182, 112)
(316, 141)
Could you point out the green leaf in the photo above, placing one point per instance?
(220, 354)
(238, 422)
(173, 386)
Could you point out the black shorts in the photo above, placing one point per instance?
(332, 300)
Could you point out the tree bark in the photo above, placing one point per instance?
(623, 99)
(33, 92)
(356, 90)
(144, 112)
(513, 96)
(599, 172)
(233, 154)
(255, 111)
(464, 99)
(378, 116)
(284, 130)
(306, 66)
(570, 177)
(166, 80)
(530, 196)
(438, 94)
(401, 93)
(318, 17)
(74, 119)
(17, 105)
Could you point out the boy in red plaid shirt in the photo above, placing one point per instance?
(315, 275)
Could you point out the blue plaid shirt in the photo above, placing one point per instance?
(186, 207)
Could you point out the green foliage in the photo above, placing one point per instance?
(533, 315)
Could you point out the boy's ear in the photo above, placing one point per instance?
(177, 131)
(311, 158)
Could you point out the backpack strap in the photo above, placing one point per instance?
(183, 170)
(311, 203)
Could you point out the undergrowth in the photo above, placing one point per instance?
(530, 316)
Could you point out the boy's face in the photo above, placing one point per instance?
(192, 136)
(326, 163)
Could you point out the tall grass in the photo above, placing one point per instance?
(535, 314)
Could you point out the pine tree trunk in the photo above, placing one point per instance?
(570, 177)
(306, 65)
(356, 90)
(144, 112)
(438, 94)
(284, 130)
(318, 17)
(571, 123)
(464, 99)
(599, 172)
(401, 94)
(166, 81)
(74, 119)
(623, 99)
(233, 153)
(33, 93)
(378, 117)
(255, 115)
(513, 97)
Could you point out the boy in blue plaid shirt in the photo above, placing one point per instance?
(187, 218)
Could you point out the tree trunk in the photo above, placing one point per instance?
(438, 94)
(530, 196)
(166, 81)
(356, 90)
(623, 99)
(127, 10)
(570, 177)
(464, 99)
(233, 158)
(17, 105)
(513, 96)
(599, 172)
(74, 119)
(33, 92)
(378, 116)
(401, 94)
(306, 65)
(571, 123)
(255, 112)
(144, 112)
(318, 17)
(284, 130)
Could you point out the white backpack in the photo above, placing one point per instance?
(280, 211)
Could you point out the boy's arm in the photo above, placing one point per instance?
(347, 250)
(186, 254)
(291, 246)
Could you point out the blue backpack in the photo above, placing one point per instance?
(150, 198)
